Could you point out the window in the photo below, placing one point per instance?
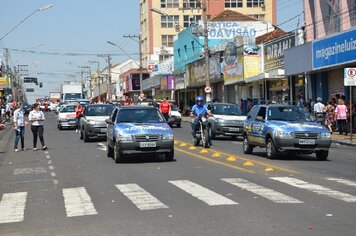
(258, 16)
(164, 57)
(191, 4)
(167, 40)
(169, 21)
(233, 3)
(188, 20)
(30, 90)
(169, 3)
(255, 3)
(30, 80)
(262, 112)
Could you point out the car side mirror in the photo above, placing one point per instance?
(249, 116)
(108, 121)
(260, 118)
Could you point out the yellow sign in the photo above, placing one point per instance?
(251, 66)
(3, 82)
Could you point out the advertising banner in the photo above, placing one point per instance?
(196, 71)
(163, 83)
(274, 52)
(252, 60)
(3, 83)
(233, 64)
(335, 50)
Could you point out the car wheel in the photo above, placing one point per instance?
(322, 155)
(271, 150)
(59, 127)
(213, 135)
(81, 134)
(118, 157)
(169, 156)
(85, 136)
(246, 146)
(109, 150)
(179, 125)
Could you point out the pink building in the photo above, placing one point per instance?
(325, 17)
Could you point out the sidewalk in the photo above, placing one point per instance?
(336, 138)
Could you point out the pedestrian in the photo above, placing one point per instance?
(249, 104)
(78, 113)
(329, 115)
(341, 117)
(8, 110)
(37, 118)
(165, 108)
(318, 111)
(19, 126)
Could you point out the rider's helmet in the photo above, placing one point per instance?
(199, 100)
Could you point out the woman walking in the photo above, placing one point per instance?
(341, 116)
(329, 117)
(36, 117)
(19, 126)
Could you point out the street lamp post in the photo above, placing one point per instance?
(24, 19)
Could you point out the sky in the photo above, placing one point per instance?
(77, 31)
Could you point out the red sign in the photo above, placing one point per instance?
(151, 67)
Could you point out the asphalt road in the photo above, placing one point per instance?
(74, 189)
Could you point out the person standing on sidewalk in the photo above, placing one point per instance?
(319, 111)
(341, 116)
(78, 113)
(37, 118)
(165, 108)
(329, 115)
(19, 126)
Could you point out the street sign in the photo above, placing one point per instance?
(350, 76)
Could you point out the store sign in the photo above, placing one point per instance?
(233, 64)
(335, 50)
(274, 52)
(196, 71)
(350, 76)
(252, 60)
(3, 83)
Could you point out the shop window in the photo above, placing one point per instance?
(233, 3)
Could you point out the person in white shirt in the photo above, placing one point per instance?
(37, 118)
(319, 110)
(19, 126)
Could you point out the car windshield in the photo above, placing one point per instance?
(139, 116)
(98, 110)
(226, 109)
(174, 108)
(67, 109)
(293, 113)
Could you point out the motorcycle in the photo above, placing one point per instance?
(202, 134)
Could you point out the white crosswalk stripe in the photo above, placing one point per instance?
(140, 197)
(77, 202)
(12, 207)
(316, 188)
(270, 194)
(343, 181)
(209, 197)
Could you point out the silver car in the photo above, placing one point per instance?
(92, 123)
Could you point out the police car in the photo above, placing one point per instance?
(136, 130)
(285, 128)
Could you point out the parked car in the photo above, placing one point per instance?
(66, 117)
(285, 128)
(227, 120)
(175, 118)
(92, 123)
(136, 130)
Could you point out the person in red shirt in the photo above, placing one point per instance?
(165, 108)
(78, 113)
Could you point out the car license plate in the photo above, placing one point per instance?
(147, 144)
(103, 130)
(234, 129)
(71, 123)
(306, 141)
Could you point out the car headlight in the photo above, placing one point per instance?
(91, 122)
(167, 137)
(125, 137)
(325, 135)
(219, 120)
(283, 134)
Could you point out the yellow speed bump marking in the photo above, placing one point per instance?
(269, 169)
(216, 154)
(183, 145)
(204, 151)
(214, 161)
(176, 142)
(248, 163)
(231, 158)
(192, 148)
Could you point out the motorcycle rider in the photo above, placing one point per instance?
(198, 109)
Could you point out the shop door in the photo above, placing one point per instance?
(218, 92)
(231, 93)
(335, 83)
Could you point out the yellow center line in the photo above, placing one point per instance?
(215, 161)
(256, 162)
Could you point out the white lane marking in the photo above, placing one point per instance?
(316, 188)
(101, 146)
(78, 202)
(51, 167)
(46, 152)
(206, 195)
(48, 157)
(49, 162)
(53, 174)
(343, 181)
(12, 207)
(26, 171)
(140, 197)
(270, 194)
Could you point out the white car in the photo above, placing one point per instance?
(66, 117)
(176, 117)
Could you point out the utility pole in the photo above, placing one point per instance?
(7, 55)
(109, 74)
(140, 51)
(206, 50)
